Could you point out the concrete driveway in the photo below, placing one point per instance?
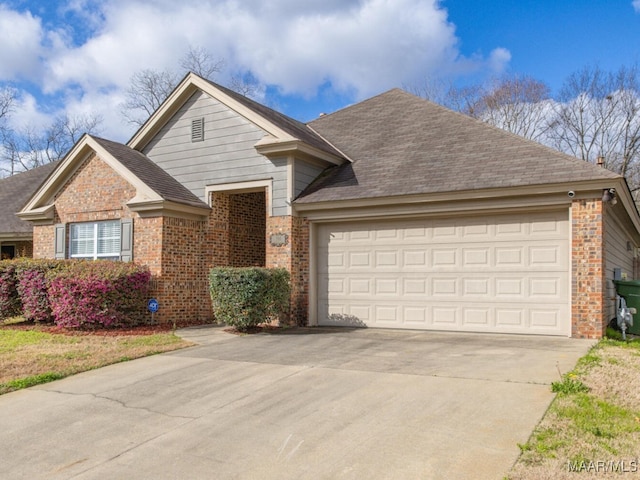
(304, 404)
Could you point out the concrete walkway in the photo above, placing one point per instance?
(302, 404)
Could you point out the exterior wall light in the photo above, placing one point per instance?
(609, 195)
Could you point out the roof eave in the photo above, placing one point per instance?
(159, 208)
(274, 147)
(40, 214)
(541, 196)
(16, 237)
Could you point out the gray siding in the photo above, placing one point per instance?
(280, 204)
(616, 256)
(304, 174)
(226, 155)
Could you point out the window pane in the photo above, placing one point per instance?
(82, 240)
(109, 239)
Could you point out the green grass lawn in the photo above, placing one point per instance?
(592, 428)
(32, 356)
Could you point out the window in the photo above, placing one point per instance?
(8, 252)
(97, 240)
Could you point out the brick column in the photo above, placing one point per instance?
(588, 272)
(288, 247)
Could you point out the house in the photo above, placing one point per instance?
(391, 213)
(16, 235)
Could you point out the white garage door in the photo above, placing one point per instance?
(501, 273)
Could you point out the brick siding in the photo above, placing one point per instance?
(588, 272)
(294, 256)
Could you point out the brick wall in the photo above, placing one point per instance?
(170, 247)
(588, 271)
(247, 224)
(293, 255)
(180, 252)
(183, 282)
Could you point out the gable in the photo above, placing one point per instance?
(156, 193)
(94, 190)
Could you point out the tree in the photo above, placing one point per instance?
(598, 115)
(149, 88)
(518, 104)
(7, 102)
(28, 148)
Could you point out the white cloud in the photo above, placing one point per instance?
(360, 46)
(636, 5)
(20, 37)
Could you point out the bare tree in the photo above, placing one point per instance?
(200, 61)
(518, 104)
(149, 88)
(462, 99)
(599, 116)
(29, 148)
(7, 102)
(246, 85)
(146, 92)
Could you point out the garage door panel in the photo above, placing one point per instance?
(494, 273)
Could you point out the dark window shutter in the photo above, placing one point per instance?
(60, 241)
(126, 240)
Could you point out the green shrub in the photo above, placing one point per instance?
(247, 297)
(10, 304)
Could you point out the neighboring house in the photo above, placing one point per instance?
(16, 235)
(394, 212)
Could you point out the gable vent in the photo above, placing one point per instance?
(197, 130)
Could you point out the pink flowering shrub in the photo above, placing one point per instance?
(99, 294)
(32, 286)
(10, 304)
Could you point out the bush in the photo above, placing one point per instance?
(247, 297)
(10, 304)
(33, 285)
(99, 294)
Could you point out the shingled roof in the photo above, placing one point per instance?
(15, 192)
(400, 144)
(150, 173)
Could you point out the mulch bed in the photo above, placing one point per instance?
(102, 332)
(128, 331)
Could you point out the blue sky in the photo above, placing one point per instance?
(311, 56)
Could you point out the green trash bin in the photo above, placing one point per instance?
(630, 291)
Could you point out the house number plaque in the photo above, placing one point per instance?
(278, 239)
